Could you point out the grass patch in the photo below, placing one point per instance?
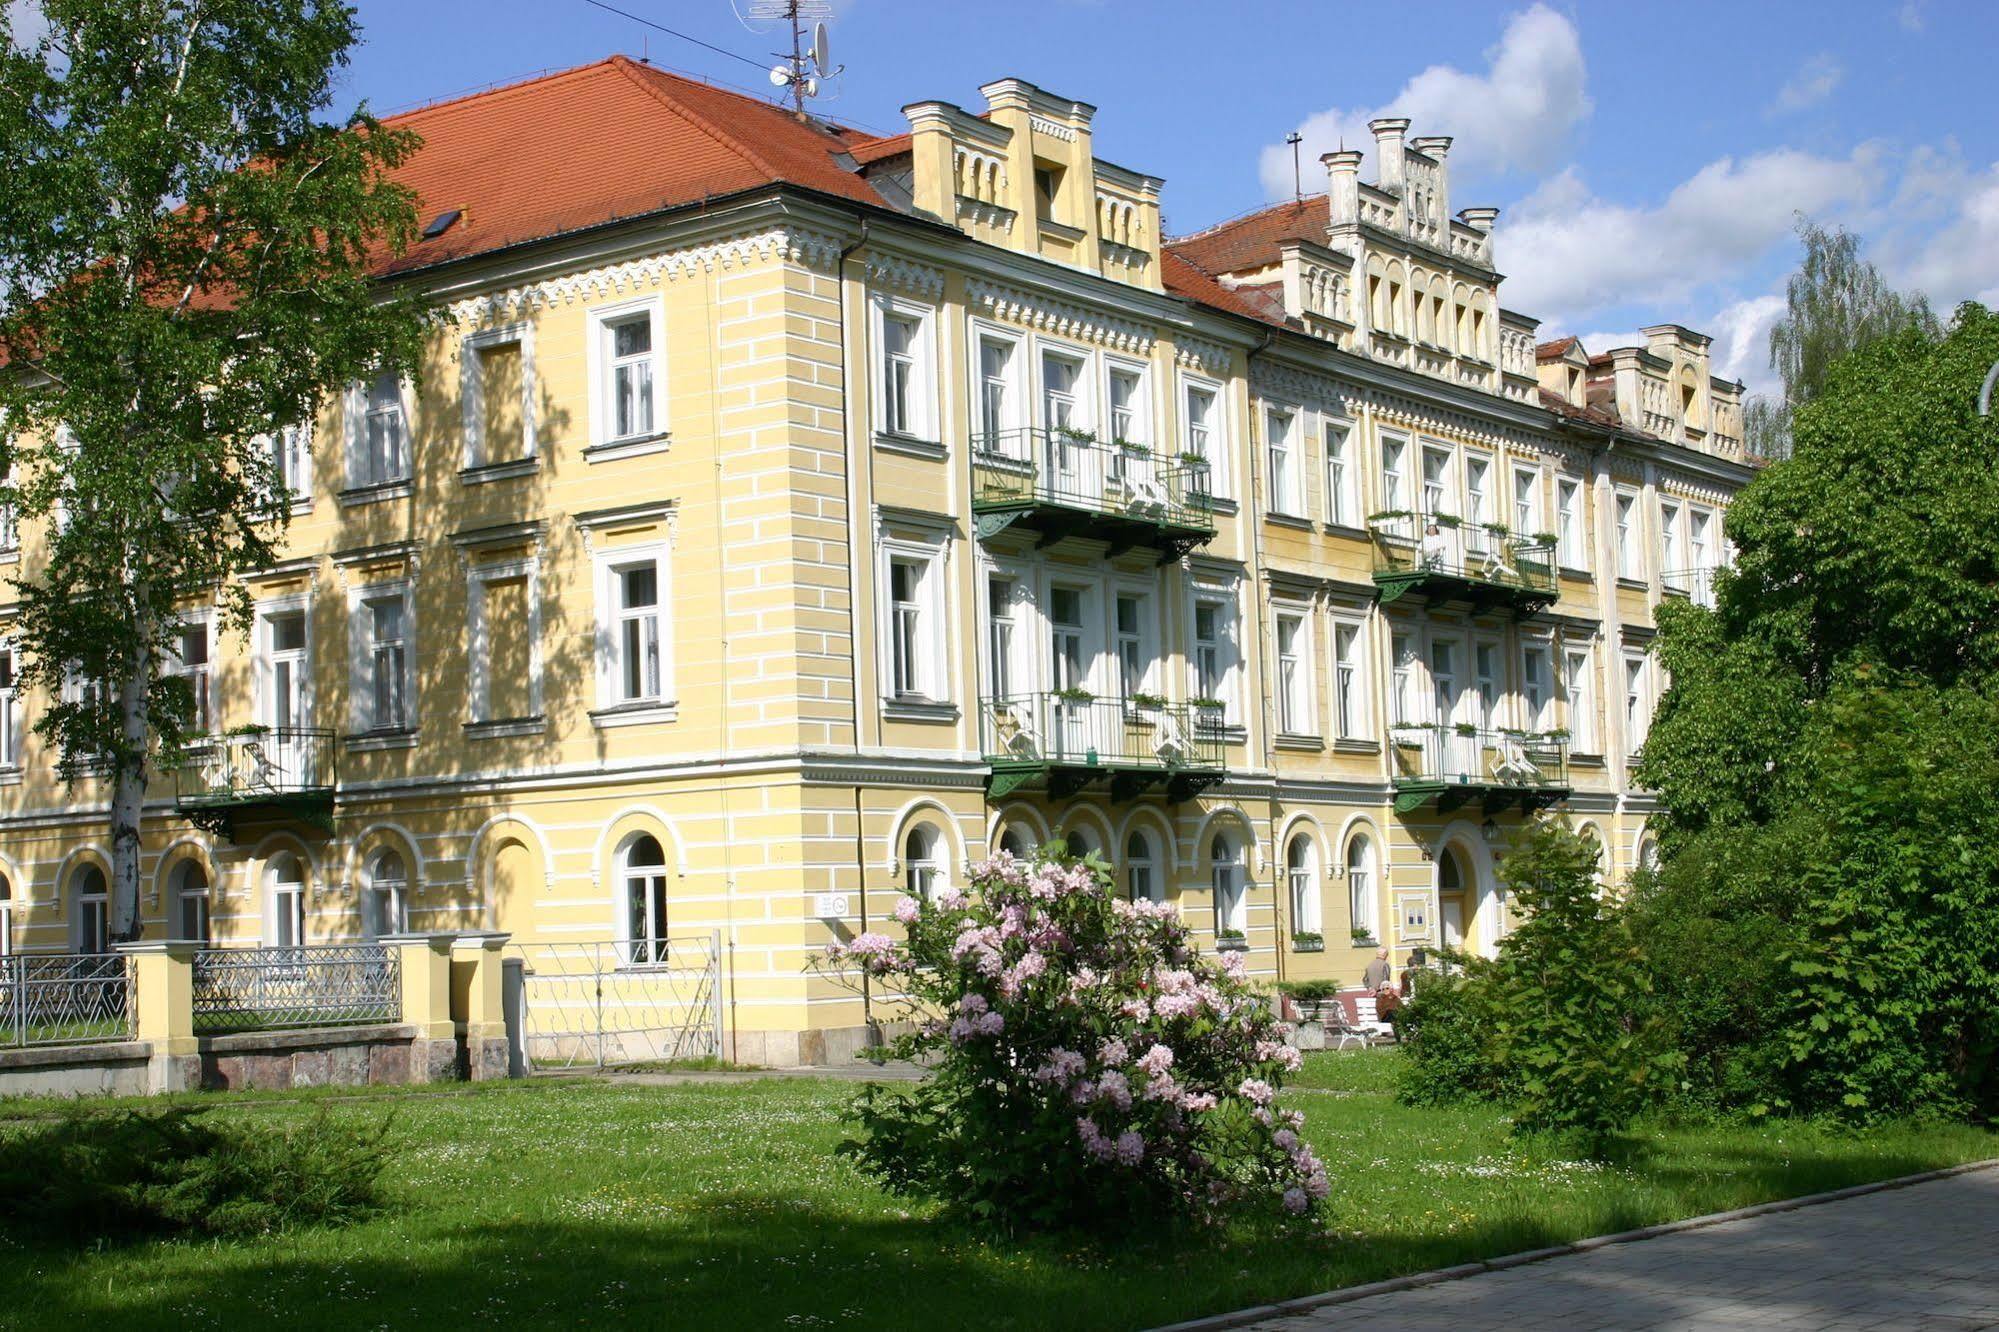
(721, 1205)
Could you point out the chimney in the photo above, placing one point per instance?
(1342, 185)
(1481, 220)
(1388, 132)
(1437, 147)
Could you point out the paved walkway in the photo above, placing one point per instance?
(1924, 1256)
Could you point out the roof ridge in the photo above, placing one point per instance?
(1242, 217)
(638, 74)
(497, 90)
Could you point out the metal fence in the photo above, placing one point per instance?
(598, 1004)
(1075, 470)
(322, 985)
(1474, 552)
(65, 999)
(1467, 756)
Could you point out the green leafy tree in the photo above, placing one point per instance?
(1575, 1020)
(1876, 543)
(185, 248)
(1835, 304)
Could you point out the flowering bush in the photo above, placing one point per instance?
(1090, 1068)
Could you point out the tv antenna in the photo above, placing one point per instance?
(1294, 138)
(800, 71)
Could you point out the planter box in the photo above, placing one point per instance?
(1311, 946)
(1232, 945)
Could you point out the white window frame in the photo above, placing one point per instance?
(599, 364)
(655, 885)
(278, 910)
(1361, 889)
(1228, 881)
(471, 374)
(921, 427)
(1000, 436)
(1280, 435)
(290, 451)
(1672, 514)
(1571, 525)
(1636, 685)
(1527, 524)
(1226, 645)
(89, 915)
(1307, 906)
(1297, 714)
(932, 677)
(1488, 668)
(1342, 495)
(1140, 644)
(1396, 494)
(1141, 857)
(265, 666)
(394, 914)
(1211, 439)
(1537, 715)
(361, 651)
(354, 416)
(1447, 498)
(1406, 672)
(205, 895)
(479, 635)
(1353, 715)
(11, 712)
(1004, 634)
(926, 874)
(1140, 413)
(608, 568)
(1630, 553)
(208, 698)
(1578, 689)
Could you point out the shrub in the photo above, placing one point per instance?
(1091, 1068)
(88, 1175)
(1447, 1029)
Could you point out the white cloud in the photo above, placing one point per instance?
(27, 21)
(1960, 260)
(1517, 116)
(1911, 16)
(1741, 335)
(1813, 83)
(1568, 253)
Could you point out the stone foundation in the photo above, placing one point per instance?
(120, 1068)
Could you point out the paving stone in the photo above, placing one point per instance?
(1908, 1258)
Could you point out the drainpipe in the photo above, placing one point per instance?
(854, 612)
(1253, 508)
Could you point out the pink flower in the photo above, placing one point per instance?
(1232, 965)
(1195, 1103)
(907, 909)
(950, 898)
(1112, 1085)
(1285, 1139)
(1112, 1054)
(1255, 1090)
(1130, 1148)
(872, 944)
(1294, 1200)
(1060, 1066)
(1156, 1060)
(1094, 1142)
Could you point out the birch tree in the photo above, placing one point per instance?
(186, 242)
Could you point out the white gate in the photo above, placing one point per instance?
(592, 1005)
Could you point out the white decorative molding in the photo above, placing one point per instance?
(635, 275)
(893, 270)
(1199, 354)
(1054, 129)
(985, 214)
(1012, 305)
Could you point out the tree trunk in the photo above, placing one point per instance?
(128, 800)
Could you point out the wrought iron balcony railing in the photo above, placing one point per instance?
(1455, 765)
(1696, 585)
(1066, 483)
(1446, 558)
(264, 772)
(1070, 739)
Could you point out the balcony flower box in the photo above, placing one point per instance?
(1231, 941)
(1306, 942)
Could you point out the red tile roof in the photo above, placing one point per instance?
(1251, 241)
(1181, 278)
(1548, 351)
(598, 143)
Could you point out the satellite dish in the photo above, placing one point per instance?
(780, 76)
(811, 86)
(820, 55)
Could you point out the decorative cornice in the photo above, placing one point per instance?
(795, 244)
(1054, 129)
(1012, 305)
(893, 270)
(1194, 353)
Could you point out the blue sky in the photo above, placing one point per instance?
(1648, 159)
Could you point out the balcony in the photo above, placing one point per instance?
(1696, 585)
(1065, 483)
(262, 774)
(1069, 740)
(1447, 559)
(1456, 765)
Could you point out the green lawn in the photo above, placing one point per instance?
(721, 1205)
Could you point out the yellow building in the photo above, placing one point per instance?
(786, 518)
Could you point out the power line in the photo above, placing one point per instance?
(661, 27)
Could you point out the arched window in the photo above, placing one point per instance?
(1360, 883)
(6, 917)
(384, 907)
(642, 874)
(1225, 875)
(90, 907)
(1648, 854)
(923, 862)
(285, 882)
(1080, 842)
(1014, 842)
(1301, 872)
(1142, 882)
(190, 902)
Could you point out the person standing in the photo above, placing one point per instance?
(1377, 974)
